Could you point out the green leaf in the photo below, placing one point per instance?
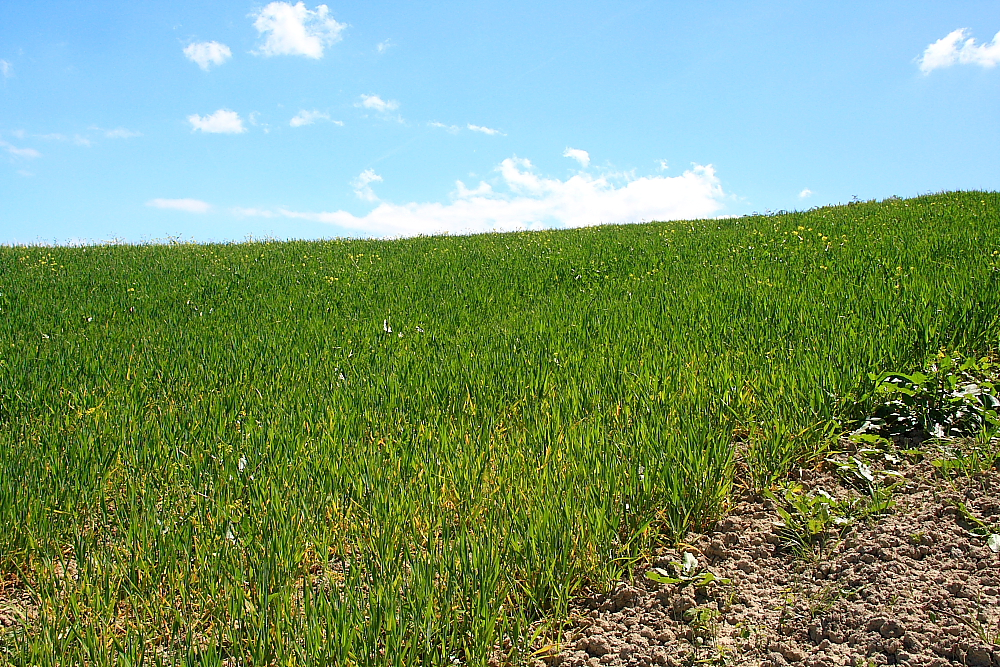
(661, 576)
(704, 579)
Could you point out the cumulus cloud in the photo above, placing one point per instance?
(6, 69)
(485, 130)
(186, 205)
(376, 103)
(581, 156)
(362, 185)
(957, 48)
(222, 121)
(805, 193)
(206, 54)
(304, 117)
(384, 46)
(531, 201)
(293, 30)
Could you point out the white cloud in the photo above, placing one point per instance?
(453, 129)
(384, 46)
(206, 54)
(532, 201)
(121, 133)
(186, 205)
(252, 212)
(805, 193)
(293, 30)
(222, 121)
(362, 185)
(663, 166)
(581, 156)
(304, 117)
(82, 141)
(23, 152)
(6, 69)
(485, 130)
(958, 48)
(20, 152)
(376, 103)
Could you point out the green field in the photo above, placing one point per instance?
(405, 452)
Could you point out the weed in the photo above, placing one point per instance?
(685, 573)
(990, 532)
(956, 396)
(812, 520)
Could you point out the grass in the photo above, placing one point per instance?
(404, 452)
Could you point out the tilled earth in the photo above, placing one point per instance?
(913, 587)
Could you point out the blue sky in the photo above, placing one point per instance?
(216, 121)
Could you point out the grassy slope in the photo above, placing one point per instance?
(235, 457)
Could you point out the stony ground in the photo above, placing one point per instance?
(912, 587)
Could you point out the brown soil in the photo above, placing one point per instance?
(914, 587)
(16, 605)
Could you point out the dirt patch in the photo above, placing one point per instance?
(17, 607)
(915, 586)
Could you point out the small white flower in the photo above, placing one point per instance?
(242, 463)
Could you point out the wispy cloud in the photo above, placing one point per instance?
(376, 103)
(581, 156)
(222, 121)
(453, 129)
(957, 48)
(20, 152)
(23, 152)
(384, 46)
(252, 212)
(304, 117)
(805, 193)
(207, 54)
(485, 130)
(121, 133)
(294, 30)
(6, 69)
(186, 205)
(530, 201)
(362, 185)
(78, 139)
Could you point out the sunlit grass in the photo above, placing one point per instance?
(404, 452)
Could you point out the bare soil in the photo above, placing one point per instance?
(913, 587)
